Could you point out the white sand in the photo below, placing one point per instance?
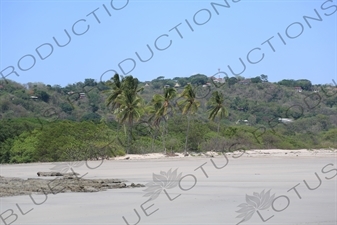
(212, 200)
(253, 152)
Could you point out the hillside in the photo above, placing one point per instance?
(40, 122)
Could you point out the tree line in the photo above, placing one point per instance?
(193, 118)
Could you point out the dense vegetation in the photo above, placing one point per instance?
(90, 120)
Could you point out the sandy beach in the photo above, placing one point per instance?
(198, 189)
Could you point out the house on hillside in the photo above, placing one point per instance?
(298, 89)
(218, 80)
(242, 121)
(177, 85)
(34, 97)
(285, 120)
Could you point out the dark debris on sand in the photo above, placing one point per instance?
(12, 186)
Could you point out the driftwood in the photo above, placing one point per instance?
(55, 174)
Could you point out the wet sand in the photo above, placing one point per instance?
(208, 192)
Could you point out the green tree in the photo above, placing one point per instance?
(115, 90)
(198, 79)
(288, 83)
(182, 82)
(189, 106)
(264, 78)
(90, 82)
(331, 101)
(10, 131)
(240, 104)
(256, 80)
(157, 84)
(66, 107)
(131, 105)
(304, 84)
(24, 149)
(216, 102)
(66, 140)
(94, 117)
(44, 96)
(231, 81)
(160, 106)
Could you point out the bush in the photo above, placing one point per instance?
(215, 143)
(23, 149)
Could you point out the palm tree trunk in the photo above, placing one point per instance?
(129, 135)
(188, 129)
(154, 135)
(152, 142)
(164, 137)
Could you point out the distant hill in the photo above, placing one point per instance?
(245, 98)
(292, 107)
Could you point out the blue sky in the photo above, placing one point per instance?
(109, 33)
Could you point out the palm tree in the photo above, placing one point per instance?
(127, 103)
(160, 105)
(189, 106)
(116, 89)
(130, 111)
(151, 110)
(217, 107)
